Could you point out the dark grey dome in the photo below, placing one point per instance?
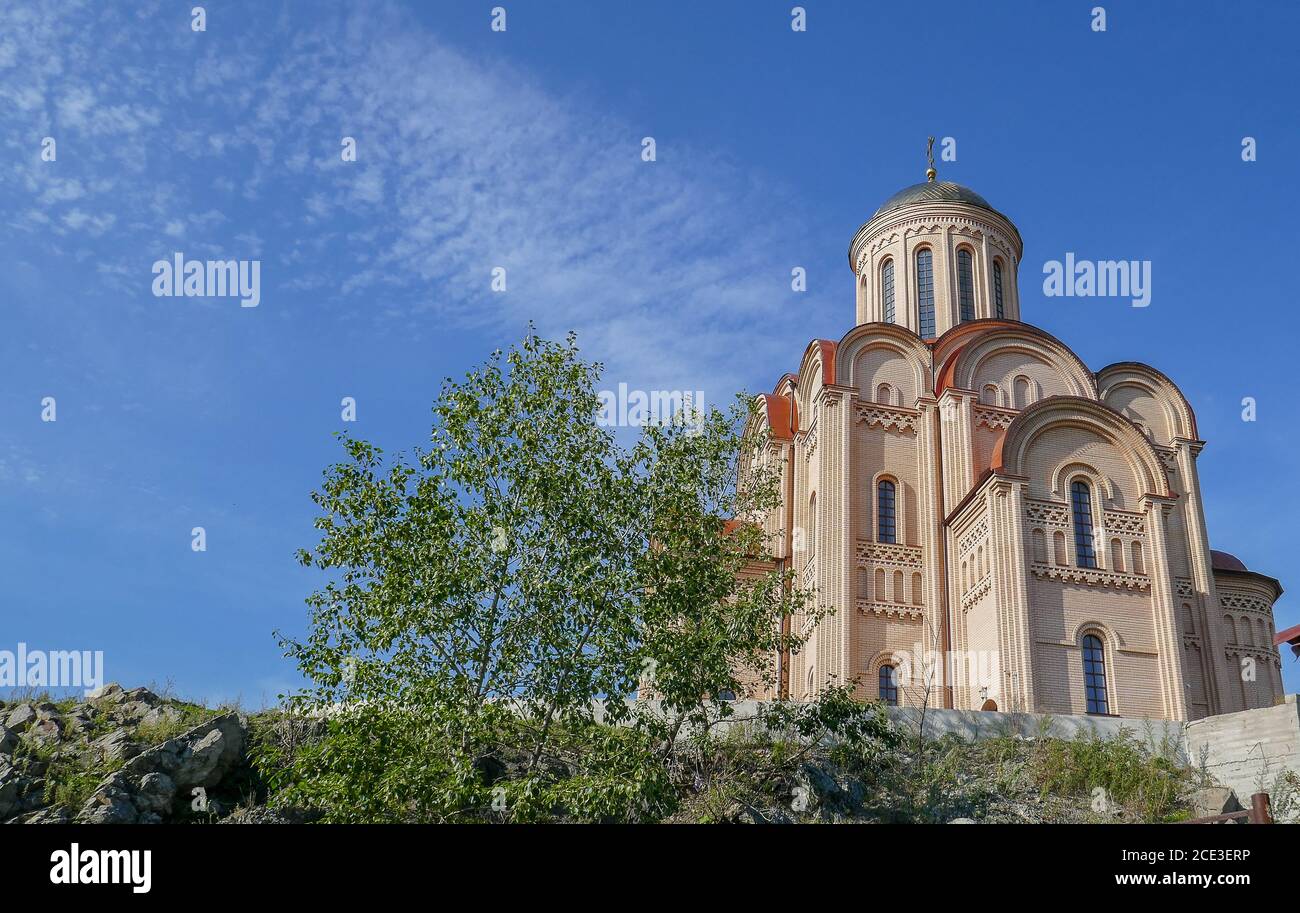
(933, 192)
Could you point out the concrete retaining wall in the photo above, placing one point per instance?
(980, 724)
(1247, 750)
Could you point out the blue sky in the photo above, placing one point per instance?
(521, 149)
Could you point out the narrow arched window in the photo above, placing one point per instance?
(997, 289)
(885, 395)
(1116, 556)
(887, 289)
(1081, 502)
(811, 545)
(925, 293)
(1139, 566)
(916, 589)
(889, 685)
(965, 285)
(1021, 391)
(899, 595)
(1094, 674)
(886, 526)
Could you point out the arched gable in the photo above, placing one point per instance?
(775, 414)
(1149, 398)
(1014, 357)
(873, 354)
(816, 370)
(1044, 440)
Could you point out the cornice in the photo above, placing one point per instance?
(1000, 228)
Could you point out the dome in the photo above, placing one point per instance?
(933, 192)
(1222, 561)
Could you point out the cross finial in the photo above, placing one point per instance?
(929, 154)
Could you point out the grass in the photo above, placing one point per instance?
(155, 733)
(71, 782)
(1145, 782)
(70, 773)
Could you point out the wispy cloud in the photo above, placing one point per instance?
(229, 141)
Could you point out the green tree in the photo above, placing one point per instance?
(496, 600)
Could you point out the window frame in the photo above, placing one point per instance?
(1092, 651)
(887, 684)
(925, 313)
(887, 290)
(893, 511)
(1083, 524)
(965, 285)
(999, 305)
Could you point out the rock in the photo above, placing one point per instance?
(44, 732)
(21, 717)
(258, 815)
(131, 711)
(156, 793)
(963, 821)
(110, 694)
(11, 787)
(1213, 800)
(199, 765)
(159, 715)
(206, 760)
(142, 696)
(146, 787)
(116, 746)
(8, 740)
(56, 815)
(109, 806)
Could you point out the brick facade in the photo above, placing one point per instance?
(986, 431)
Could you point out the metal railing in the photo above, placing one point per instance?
(1258, 813)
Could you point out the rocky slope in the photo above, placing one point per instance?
(121, 757)
(136, 757)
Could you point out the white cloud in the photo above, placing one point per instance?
(674, 272)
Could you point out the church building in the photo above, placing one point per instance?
(995, 525)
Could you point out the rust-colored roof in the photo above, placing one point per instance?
(1222, 561)
(828, 360)
(945, 378)
(995, 458)
(780, 416)
(1289, 636)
